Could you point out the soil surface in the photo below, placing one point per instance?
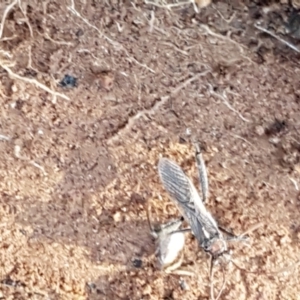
(94, 92)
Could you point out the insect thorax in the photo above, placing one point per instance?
(216, 246)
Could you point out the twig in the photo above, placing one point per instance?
(241, 138)
(26, 18)
(181, 273)
(17, 152)
(224, 98)
(5, 53)
(35, 82)
(6, 12)
(10, 38)
(277, 38)
(151, 21)
(48, 37)
(102, 35)
(228, 21)
(157, 105)
(175, 47)
(294, 182)
(251, 229)
(188, 81)
(225, 38)
(172, 5)
(4, 137)
(38, 166)
(87, 51)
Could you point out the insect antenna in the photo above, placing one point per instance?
(211, 279)
(148, 211)
(202, 172)
(243, 237)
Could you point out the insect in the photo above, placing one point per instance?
(170, 241)
(188, 201)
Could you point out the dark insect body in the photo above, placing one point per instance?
(185, 196)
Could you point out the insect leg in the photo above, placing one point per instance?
(182, 230)
(202, 172)
(230, 233)
(231, 236)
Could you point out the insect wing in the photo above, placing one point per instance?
(187, 199)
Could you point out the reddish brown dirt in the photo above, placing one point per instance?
(76, 173)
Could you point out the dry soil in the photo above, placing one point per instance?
(79, 163)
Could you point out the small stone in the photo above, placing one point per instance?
(79, 32)
(106, 80)
(92, 286)
(117, 217)
(297, 168)
(184, 286)
(68, 81)
(137, 198)
(66, 287)
(137, 263)
(259, 130)
(14, 88)
(147, 290)
(285, 240)
(202, 3)
(274, 140)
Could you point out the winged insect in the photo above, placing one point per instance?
(191, 205)
(169, 242)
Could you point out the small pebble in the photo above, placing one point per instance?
(137, 263)
(106, 80)
(259, 130)
(274, 140)
(147, 290)
(68, 81)
(79, 32)
(184, 286)
(117, 217)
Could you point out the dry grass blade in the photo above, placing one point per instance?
(241, 48)
(26, 18)
(6, 12)
(4, 137)
(165, 4)
(251, 229)
(35, 82)
(277, 38)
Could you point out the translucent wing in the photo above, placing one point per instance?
(188, 201)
